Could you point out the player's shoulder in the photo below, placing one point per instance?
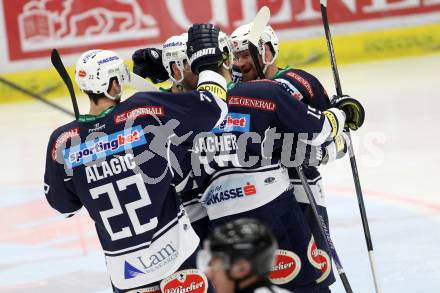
(298, 75)
(259, 87)
(61, 135)
(141, 98)
(67, 130)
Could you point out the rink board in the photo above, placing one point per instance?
(349, 48)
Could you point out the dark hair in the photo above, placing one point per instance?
(96, 97)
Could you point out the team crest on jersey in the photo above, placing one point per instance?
(234, 122)
(104, 146)
(152, 289)
(65, 136)
(185, 281)
(319, 259)
(286, 267)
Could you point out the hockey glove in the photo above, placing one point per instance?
(354, 112)
(237, 76)
(337, 148)
(148, 63)
(202, 48)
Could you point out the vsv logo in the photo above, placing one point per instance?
(218, 194)
(234, 122)
(104, 146)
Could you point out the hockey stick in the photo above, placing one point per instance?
(324, 230)
(260, 22)
(140, 84)
(59, 66)
(354, 168)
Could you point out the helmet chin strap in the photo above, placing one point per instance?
(114, 98)
(266, 64)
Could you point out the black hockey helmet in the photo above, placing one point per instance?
(244, 238)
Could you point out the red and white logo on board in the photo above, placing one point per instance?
(188, 281)
(286, 267)
(319, 259)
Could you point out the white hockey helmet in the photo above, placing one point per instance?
(240, 42)
(174, 51)
(95, 68)
(224, 44)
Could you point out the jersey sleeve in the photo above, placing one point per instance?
(307, 87)
(297, 117)
(58, 186)
(193, 112)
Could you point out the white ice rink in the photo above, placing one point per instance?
(398, 154)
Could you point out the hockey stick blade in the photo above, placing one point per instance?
(261, 20)
(140, 84)
(59, 66)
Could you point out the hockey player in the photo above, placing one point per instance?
(114, 163)
(238, 257)
(303, 87)
(231, 190)
(249, 180)
(176, 65)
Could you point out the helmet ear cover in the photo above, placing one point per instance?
(225, 46)
(174, 52)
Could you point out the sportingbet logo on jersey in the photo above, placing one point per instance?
(104, 146)
(234, 122)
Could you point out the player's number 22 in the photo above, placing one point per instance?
(131, 207)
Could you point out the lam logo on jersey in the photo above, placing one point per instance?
(218, 194)
(234, 122)
(286, 267)
(104, 146)
(319, 259)
(187, 281)
(130, 271)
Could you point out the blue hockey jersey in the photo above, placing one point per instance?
(117, 166)
(242, 171)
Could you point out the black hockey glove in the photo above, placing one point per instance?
(202, 48)
(148, 63)
(354, 112)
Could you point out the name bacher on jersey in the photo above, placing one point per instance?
(222, 139)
